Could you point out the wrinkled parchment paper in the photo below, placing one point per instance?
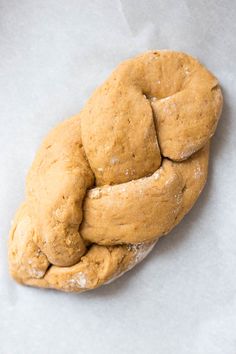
(182, 298)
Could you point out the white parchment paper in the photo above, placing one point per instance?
(182, 298)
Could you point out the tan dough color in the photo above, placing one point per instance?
(107, 183)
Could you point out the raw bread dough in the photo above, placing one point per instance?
(107, 183)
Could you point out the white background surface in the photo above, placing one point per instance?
(182, 298)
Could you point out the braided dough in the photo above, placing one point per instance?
(107, 183)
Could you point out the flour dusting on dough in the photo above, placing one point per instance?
(141, 250)
(198, 171)
(179, 197)
(156, 175)
(114, 160)
(170, 180)
(78, 280)
(36, 273)
(95, 193)
(191, 149)
(123, 189)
